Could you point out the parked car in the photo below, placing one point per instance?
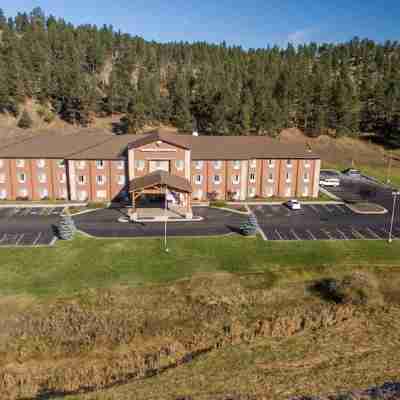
(293, 204)
(352, 172)
(332, 182)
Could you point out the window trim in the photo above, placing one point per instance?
(217, 164)
(289, 163)
(252, 180)
(81, 164)
(121, 164)
(123, 179)
(236, 181)
(215, 181)
(253, 163)
(19, 177)
(40, 176)
(140, 165)
(20, 163)
(196, 181)
(3, 177)
(103, 179)
(236, 164)
(41, 163)
(83, 181)
(3, 194)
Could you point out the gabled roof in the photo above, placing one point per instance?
(160, 178)
(163, 136)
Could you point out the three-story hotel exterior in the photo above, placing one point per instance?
(187, 168)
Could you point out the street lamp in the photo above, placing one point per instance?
(395, 194)
(165, 221)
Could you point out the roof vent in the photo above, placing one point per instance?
(195, 133)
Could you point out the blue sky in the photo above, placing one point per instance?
(249, 23)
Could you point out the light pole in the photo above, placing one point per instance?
(165, 220)
(389, 167)
(395, 194)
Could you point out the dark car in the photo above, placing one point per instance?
(352, 172)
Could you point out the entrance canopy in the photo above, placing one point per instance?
(160, 179)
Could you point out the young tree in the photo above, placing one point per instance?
(25, 122)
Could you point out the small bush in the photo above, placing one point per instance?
(359, 288)
(25, 122)
(46, 114)
(218, 203)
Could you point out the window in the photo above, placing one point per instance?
(271, 163)
(288, 177)
(199, 194)
(253, 163)
(289, 163)
(101, 194)
(61, 163)
(252, 192)
(307, 164)
(23, 193)
(42, 178)
(81, 164)
(64, 194)
(63, 178)
(270, 177)
(198, 179)
(21, 178)
(20, 163)
(270, 192)
(82, 195)
(139, 164)
(121, 164)
(288, 191)
(252, 177)
(306, 177)
(305, 191)
(236, 164)
(217, 164)
(100, 179)
(2, 178)
(236, 179)
(3, 194)
(41, 163)
(179, 165)
(81, 179)
(121, 179)
(217, 179)
(1, 163)
(44, 193)
(100, 164)
(236, 195)
(198, 164)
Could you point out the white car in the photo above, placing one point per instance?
(293, 204)
(332, 182)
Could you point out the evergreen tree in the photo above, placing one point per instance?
(25, 122)
(135, 119)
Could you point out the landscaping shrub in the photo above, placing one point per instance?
(25, 122)
(359, 288)
(218, 203)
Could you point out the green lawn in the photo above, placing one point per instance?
(83, 263)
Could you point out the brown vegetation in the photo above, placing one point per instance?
(102, 338)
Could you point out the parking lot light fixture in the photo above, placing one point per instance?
(395, 194)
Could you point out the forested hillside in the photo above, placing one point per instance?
(86, 71)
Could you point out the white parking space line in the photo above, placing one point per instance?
(327, 233)
(373, 233)
(278, 234)
(2, 239)
(342, 234)
(315, 208)
(356, 233)
(295, 234)
(19, 239)
(37, 238)
(311, 234)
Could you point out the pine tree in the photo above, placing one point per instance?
(25, 122)
(135, 119)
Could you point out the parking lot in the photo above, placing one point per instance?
(28, 226)
(26, 211)
(27, 239)
(321, 222)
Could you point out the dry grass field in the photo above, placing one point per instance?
(207, 336)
